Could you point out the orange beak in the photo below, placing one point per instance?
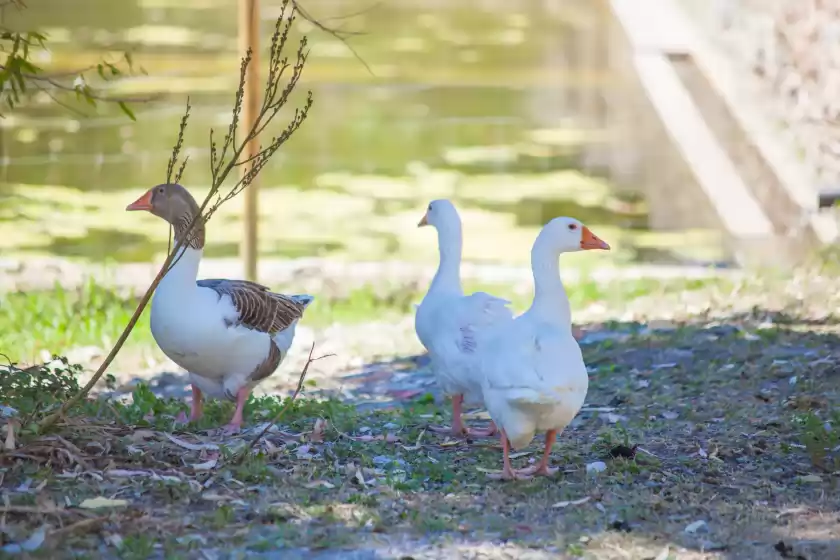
(589, 240)
(142, 203)
(424, 220)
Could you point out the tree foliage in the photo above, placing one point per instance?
(20, 76)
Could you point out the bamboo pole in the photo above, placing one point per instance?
(249, 38)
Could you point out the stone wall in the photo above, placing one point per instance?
(792, 49)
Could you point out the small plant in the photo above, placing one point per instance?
(38, 390)
(821, 440)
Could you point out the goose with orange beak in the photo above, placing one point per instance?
(533, 375)
(228, 334)
(452, 326)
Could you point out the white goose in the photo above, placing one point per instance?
(534, 378)
(452, 326)
(228, 334)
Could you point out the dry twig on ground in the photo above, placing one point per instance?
(223, 160)
(286, 405)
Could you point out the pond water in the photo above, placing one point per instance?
(477, 87)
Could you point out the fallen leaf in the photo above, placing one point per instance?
(122, 473)
(319, 484)
(101, 501)
(668, 365)
(317, 434)
(695, 527)
(10, 436)
(360, 478)
(520, 454)
(192, 446)
(809, 478)
(571, 503)
(205, 466)
(213, 497)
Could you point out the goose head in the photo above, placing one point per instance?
(567, 235)
(176, 205)
(440, 214)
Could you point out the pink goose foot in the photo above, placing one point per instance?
(235, 424)
(542, 468)
(508, 472)
(457, 428)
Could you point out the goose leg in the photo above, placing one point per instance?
(196, 408)
(542, 468)
(236, 422)
(457, 428)
(508, 473)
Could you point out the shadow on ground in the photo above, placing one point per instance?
(736, 456)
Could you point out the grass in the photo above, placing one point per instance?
(95, 315)
(717, 428)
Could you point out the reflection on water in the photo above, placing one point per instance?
(466, 73)
(478, 86)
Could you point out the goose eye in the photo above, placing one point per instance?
(572, 227)
(160, 190)
(429, 208)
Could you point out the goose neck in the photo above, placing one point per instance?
(551, 303)
(448, 276)
(184, 272)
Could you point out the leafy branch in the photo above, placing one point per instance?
(19, 76)
(223, 160)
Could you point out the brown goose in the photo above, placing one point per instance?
(228, 334)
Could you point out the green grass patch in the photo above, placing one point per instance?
(59, 320)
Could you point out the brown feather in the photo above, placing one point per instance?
(258, 308)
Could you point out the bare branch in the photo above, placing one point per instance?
(221, 166)
(339, 34)
(285, 406)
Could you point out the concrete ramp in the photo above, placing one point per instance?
(686, 134)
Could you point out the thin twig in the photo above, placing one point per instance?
(286, 405)
(78, 526)
(339, 34)
(275, 99)
(40, 510)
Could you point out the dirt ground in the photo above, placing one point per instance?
(712, 414)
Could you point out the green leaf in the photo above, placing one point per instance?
(125, 109)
